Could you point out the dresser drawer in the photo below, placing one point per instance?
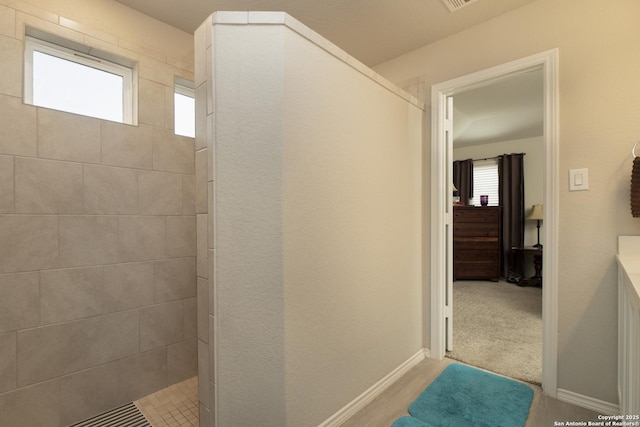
(476, 271)
(476, 215)
(482, 243)
(474, 256)
(462, 229)
(476, 242)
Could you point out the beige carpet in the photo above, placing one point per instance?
(497, 326)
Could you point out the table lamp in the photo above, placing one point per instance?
(536, 214)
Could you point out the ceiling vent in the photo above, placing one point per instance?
(454, 5)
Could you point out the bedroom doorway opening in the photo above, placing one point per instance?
(442, 210)
(498, 154)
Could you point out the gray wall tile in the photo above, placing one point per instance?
(141, 238)
(110, 190)
(212, 350)
(211, 212)
(11, 52)
(88, 240)
(203, 372)
(161, 325)
(182, 360)
(143, 374)
(8, 363)
(19, 301)
(188, 195)
(112, 336)
(201, 117)
(169, 116)
(204, 415)
(90, 392)
(51, 351)
(6, 184)
(211, 148)
(29, 242)
(38, 405)
(160, 193)
(175, 279)
(202, 241)
(201, 181)
(212, 283)
(129, 285)
(151, 103)
(212, 403)
(190, 318)
(64, 266)
(46, 186)
(181, 236)
(7, 18)
(66, 136)
(125, 145)
(71, 294)
(172, 153)
(203, 310)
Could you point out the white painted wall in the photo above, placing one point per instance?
(352, 234)
(317, 224)
(598, 122)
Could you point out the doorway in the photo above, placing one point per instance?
(442, 209)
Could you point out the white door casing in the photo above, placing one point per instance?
(448, 300)
(441, 149)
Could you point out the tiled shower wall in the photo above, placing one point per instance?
(204, 209)
(97, 241)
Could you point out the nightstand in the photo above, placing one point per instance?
(519, 253)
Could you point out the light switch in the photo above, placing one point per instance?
(578, 179)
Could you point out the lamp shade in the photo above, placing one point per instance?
(454, 187)
(536, 212)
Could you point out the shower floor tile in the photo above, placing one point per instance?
(174, 406)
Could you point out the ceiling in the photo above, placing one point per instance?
(503, 111)
(372, 31)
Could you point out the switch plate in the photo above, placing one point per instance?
(578, 179)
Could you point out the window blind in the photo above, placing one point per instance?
(485, 181)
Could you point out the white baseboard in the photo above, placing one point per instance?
(599, 406)
(596, 405)
(374, 391)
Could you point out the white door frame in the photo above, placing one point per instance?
(441, 211)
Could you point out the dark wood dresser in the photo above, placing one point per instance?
(476, 242)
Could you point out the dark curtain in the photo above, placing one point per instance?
(511, 187)
(463, 179)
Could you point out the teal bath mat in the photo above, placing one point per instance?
(465, 396)
(409, 422)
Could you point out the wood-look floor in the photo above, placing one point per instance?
(395, 400)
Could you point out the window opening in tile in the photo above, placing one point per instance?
(184, 104)
(77, 79)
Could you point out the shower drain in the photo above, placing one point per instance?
(125, 416)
